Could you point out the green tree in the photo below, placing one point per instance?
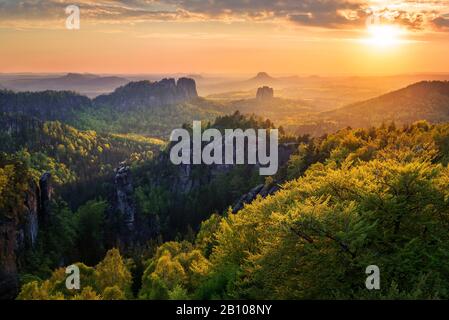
(90, 221)
(113, 272)
(113, 293)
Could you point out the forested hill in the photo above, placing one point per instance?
(339, 202)
(64, 105)
(144, 94)
(70, 154)
(95, 207)
(45, 105)
(356, 198)
(427, 100)
(149, 108)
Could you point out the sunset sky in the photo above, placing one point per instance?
(227, 37)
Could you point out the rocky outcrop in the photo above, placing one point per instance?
(19, 233)
(186, 177)
(66, 106)
(126, 228)
(46, 193)
(260, 190)
(29, 226)
(146, 94)
(186, 89)
(9, 284)
(285, 151)
(125, 201)
(265, 93)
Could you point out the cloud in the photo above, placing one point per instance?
(335, 14)
(441, 22)
(41, 12)
(325, 13)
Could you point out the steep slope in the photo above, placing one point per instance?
(183, 195)
(23, 207)
(420, 101)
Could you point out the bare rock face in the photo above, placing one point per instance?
(29, 226)
(126, 228)
(260, 190)
(285, 151)
(46, 193)
(186, 89)
(125, 202)
(265, 93)
(9, 284)
(20, 233)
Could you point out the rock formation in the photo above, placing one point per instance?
(186, 89)
(19, 233)
(9, 284)
(46, 193)
(65, 106)
(125, 201)
(146, 94)
(126, 227)
(265, 93)
(285, 151)
(260, 190)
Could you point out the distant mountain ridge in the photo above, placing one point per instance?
(259, 80)
(45, 105)
(61, 105)
(88, 84)
(265, 79)
(262, 76)
(143, 107)
(425, 100)
(157, 107)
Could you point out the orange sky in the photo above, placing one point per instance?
(281, 37)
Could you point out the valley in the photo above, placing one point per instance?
(89, 181)
(287, 153)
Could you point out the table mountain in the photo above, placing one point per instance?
(146, 94)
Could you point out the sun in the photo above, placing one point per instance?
(383, 36)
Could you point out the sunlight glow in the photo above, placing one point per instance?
(383, 35)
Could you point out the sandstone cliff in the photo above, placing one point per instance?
(19, 232)
(126, 227)
(265, 93)
(146, 94)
